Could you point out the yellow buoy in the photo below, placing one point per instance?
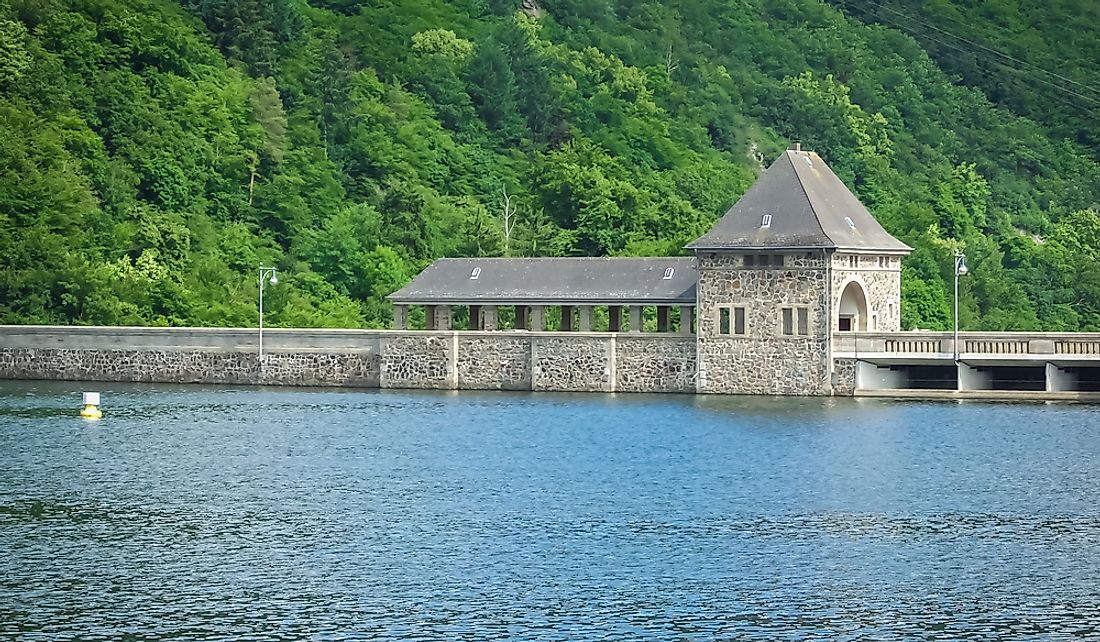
(91, 400)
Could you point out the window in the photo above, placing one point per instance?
(731, 321)
(766, 221)
(853, 261)
(668, 273)
(795, 322)
(476, 273)
(750, 260)
(850, 223)
(884, 262)
(777, 260)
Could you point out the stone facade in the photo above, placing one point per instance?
(763, 360)
(418, 360)
(599, 362)
(879, 277)
(494, 362)
(191, 366)
(655, 364)
(572, 363)
(844, 377)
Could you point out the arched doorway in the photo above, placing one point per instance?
(853, 309)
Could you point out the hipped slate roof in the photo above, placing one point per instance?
(808, 206)
(582, 281)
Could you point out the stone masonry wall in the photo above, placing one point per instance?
(571, 363)
(191, 366)
(494, 362)
(763, 361)
(881, 286)
(649, 364)
(844, 377)
(387, 359)
(419, 360)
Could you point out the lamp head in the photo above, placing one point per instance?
(274, 279)
(962, 269)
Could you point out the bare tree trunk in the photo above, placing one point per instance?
(508, 220)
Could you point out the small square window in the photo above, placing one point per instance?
(475, 273)
(750, 260)
(668, 273)
(777, 260)
(766, 221)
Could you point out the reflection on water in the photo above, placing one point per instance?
(204, 513)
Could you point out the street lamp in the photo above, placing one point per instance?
(268, 273)
(960, 268)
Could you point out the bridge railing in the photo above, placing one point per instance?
(938, 344)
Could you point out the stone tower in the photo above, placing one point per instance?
(796, 259)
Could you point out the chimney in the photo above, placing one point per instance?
(796, 146)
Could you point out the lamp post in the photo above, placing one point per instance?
(265, 273)
(960, 269)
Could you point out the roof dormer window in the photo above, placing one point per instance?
(668, 273)
(475, 273)
(848, 220)
(766, 221)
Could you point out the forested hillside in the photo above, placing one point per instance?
(153, 153)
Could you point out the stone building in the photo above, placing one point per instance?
(795, 260)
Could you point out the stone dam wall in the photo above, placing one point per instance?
(543, 361)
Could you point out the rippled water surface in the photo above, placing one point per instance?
(199, 513)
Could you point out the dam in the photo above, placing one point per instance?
(1014, 366)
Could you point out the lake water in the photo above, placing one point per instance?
(265, 514)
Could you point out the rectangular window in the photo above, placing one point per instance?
(795, 322)
(750, 260)
(723, 320)
(853, 261)
(739, 321)
(777, 260)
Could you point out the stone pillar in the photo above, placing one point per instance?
(489, 317)
(635, 318)
(536, 322)
(442, 317)
(615, 318)
(686, 326)
(662, 318)
(400, 317)
(521, 317)
(566, 318)
(429, 317)
(585, 318)
(475, 317)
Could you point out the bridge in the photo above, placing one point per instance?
(1014, 365)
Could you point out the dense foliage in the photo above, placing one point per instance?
(154, 153)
